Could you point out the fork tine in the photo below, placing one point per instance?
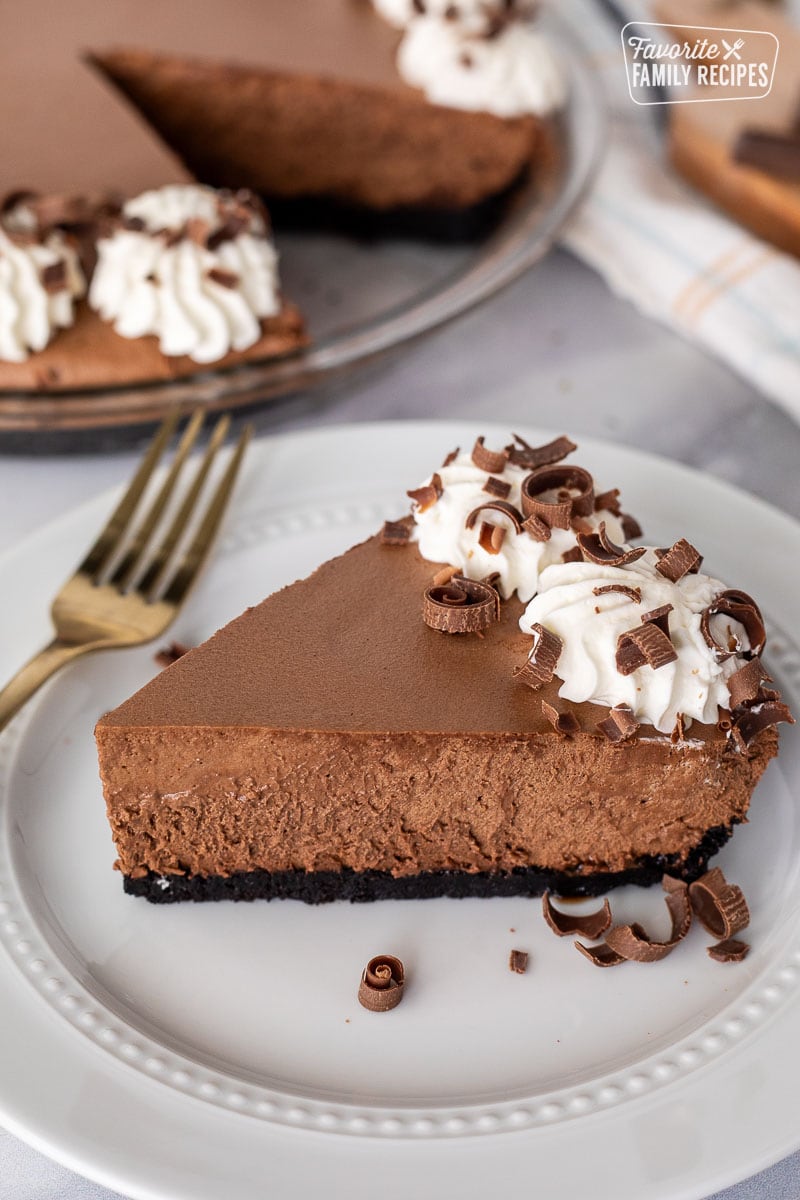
(119, 520)
(195, 554)
(153, 576)
(125, 572)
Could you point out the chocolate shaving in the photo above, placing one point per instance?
(681, 559)
(599, 548)
(497, 487)
(54, 277)
(170, 654)
(590, 925)
(745, 684)
(493, 461)
(608, 502)
(601, 956)
(445, 575)
(226, 279)
(228, 231)
(739, 607)
(518, 961)
(573, 555)
(750, 722)
(563, 480)
(451, 457)
(719, 906)
(633, 593)
(382, 983)
(730, 950)
(501, 506)
(647, 645)
(524, 455)
(460, 606)
(620, 724)
(633, 943)
(395, 533)
(658, 616)
(679, 732)
(133, 224)
(538, 529)
(563, 720)
(630, 527)
(541, 664)
(491, 537)
(426, 496)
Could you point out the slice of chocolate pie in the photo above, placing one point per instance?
(394, 726)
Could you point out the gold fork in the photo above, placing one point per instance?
(131, 606)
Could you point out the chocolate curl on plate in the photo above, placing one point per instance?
(498, 488)
(501, 506)
(518, 961)
(646, 646)
(543, 659)
(532, 457)
(681, 559)
(395, 533)
(460, 606)
(731, 950)
(633, 593)
(608, 502)
(719, 906)
(620, 724)
(751, 721)
(382, 983)
(574, 490)
(739, 607)
(601, 956)
(634, 944)
(591, 925)
(599, 548)
(562, 719)
(493, 461)
(426, 496)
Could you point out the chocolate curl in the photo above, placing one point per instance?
(679, 731)
(750, 722)
(630, 527)
(491, 537)
(54, 277)
(426, 496)
(501, 506)
(719, 906)
(730, 950)
(681, 559)
(382, 983)
(395, 533)
(451, 457)
(226, 279)
(228, 231)
(563, 720)
(608, 502)
(658, 616)
(745, 684)
(590, 925)
(742, 608)
(647, 645)
(538, 529)
(518, 961)
(543, 659)
(600, 956)
(633, 593)
(599, 548)
(524, 455)
(493, 461)
(445, 575)
(573, 555)
(633, 943)
(497, 488)
(563, 481)
(460, 606)
(170, 654)
(620, 724)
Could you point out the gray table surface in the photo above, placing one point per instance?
(556, 350)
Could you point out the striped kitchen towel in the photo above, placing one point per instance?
(658, 244)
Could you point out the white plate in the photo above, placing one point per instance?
(205, 1051)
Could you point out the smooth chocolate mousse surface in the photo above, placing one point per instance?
(329, 743)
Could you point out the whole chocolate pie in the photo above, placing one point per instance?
(495, 695)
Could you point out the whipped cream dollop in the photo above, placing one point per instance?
(192, 266)
(442, 536)
(40, 279)
(589, 627)
(508, 72)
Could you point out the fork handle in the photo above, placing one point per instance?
(31, 677)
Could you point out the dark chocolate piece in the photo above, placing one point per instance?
(451, 457)
(750, 722)
(539, 530)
